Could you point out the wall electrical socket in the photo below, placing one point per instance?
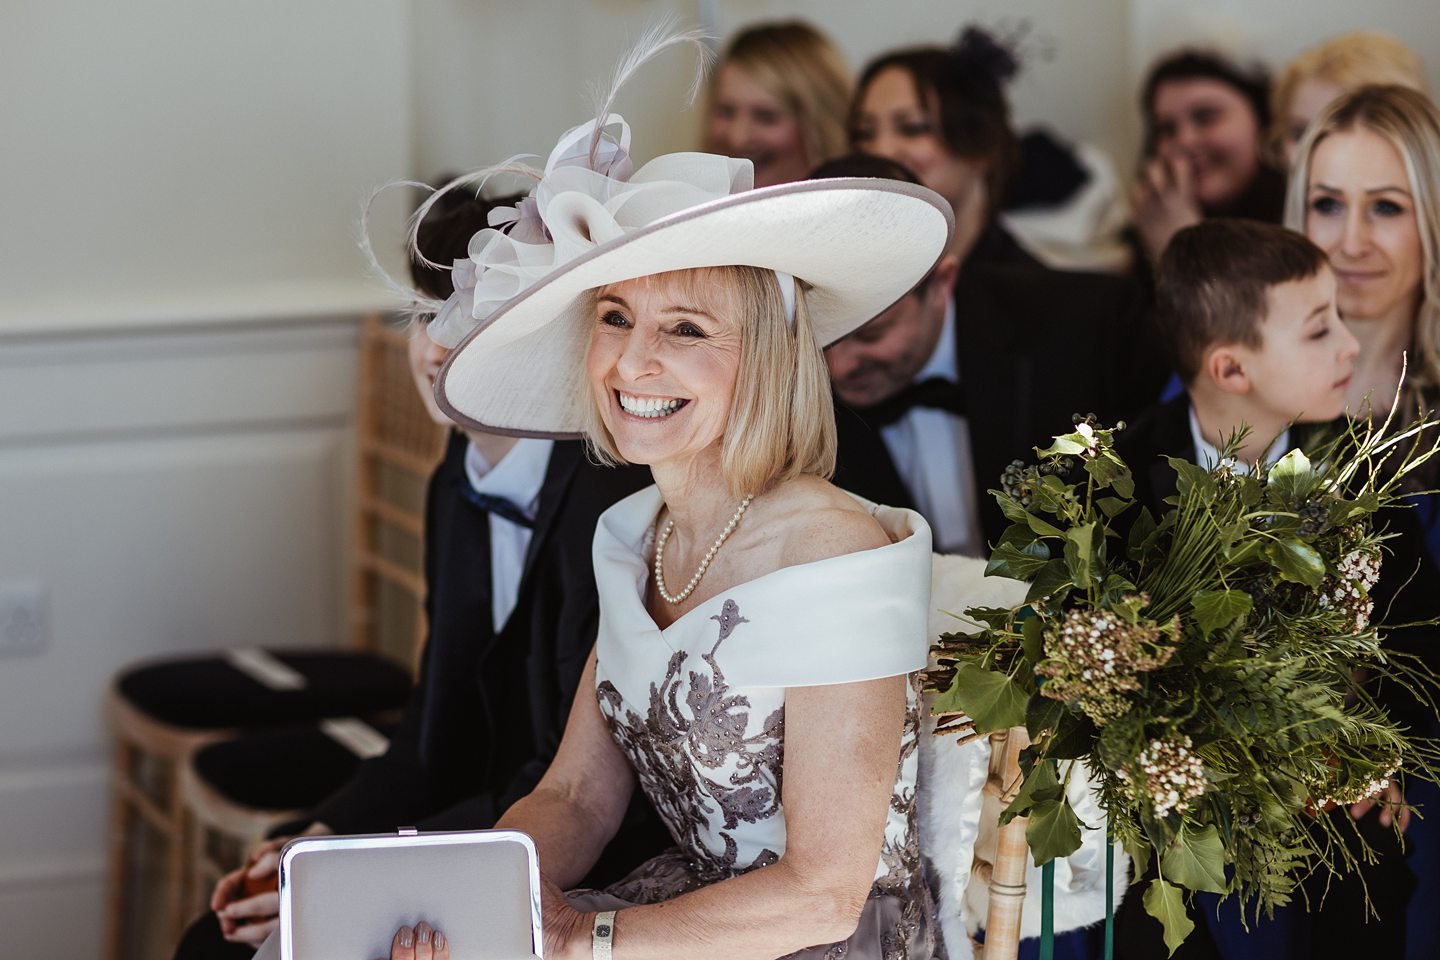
(24, 618)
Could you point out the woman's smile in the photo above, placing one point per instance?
(638, 407)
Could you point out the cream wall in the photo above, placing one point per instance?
(483, 94)
(179, 183)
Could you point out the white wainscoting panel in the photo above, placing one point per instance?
(175, 490)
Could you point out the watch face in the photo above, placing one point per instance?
(603, 930)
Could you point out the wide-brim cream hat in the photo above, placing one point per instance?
(519, 319)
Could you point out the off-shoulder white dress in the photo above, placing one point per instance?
(698, 707)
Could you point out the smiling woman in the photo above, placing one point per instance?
(663, 341)
(778, 100)
(768, 707)
(1366, 189)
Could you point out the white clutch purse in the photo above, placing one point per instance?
(343, 898)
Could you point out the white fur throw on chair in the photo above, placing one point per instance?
(950, 798)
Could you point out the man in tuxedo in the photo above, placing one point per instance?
(971, 370)
(512, 614)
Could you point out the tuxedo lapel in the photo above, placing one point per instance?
(564, 462)
(863, 464)
(998, 381)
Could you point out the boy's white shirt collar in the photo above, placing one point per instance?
(1207, 455)
(518, 476)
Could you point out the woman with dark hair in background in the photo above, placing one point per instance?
(941, 112)
(1205, 125)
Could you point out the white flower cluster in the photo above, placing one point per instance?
(1096, 658)
(1350, 590)
(1361, 791)
(1172, 775)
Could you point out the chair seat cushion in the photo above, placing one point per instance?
(288, 768)
(208, 692)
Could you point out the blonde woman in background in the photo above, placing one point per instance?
(1366, 189)
(1365, 186)
(779, 100)
(1340, 65)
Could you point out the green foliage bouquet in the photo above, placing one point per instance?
(1201, 666)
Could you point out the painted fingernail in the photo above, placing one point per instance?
(407, 937)
(439, 940)
(422, 933)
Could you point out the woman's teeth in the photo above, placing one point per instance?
(649, 408)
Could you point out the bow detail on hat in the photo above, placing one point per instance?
(587, 196)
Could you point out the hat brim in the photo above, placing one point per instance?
(859, 244)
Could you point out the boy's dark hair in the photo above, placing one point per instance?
(1212, 284)
(444, 237)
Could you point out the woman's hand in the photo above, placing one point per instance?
(567, 930)
(1164, 202)
(422, 943)
(1392, 807)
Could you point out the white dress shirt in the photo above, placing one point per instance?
(1207, 455)
(931, 450)
(518, 478)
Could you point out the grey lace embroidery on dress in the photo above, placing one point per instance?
(673, 751)
(681, 755)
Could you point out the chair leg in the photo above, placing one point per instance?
(176, 863)
(118, 853)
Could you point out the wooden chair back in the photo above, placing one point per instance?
(398, 446)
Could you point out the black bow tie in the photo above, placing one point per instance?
(508, 509)
(937, 393)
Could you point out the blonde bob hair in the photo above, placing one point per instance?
(1411, 124)
(798, 66)
(782, 419)
(1350, 61)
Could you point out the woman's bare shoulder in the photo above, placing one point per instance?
(820, 521)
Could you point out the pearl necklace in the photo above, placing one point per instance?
(704, 564)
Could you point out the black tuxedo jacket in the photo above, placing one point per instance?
(1034, 347)
(489, 708)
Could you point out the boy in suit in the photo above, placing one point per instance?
(512, 614)
(1248, 311)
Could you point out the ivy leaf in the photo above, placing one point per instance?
(1140, 531)
(1013, 509)
(1112, 507)
(1196, 859)
(1297, 561)
(1071, 736)
(1039, 786)
(1217, 609)
(1032, 631)
(1017, 535)
(1017, 563)
(1065, 445)
(1053, 831)
(1080, 552)
(1042, 527)
(1052, 578)
(1104, 470)
(1164, 903)
(991, 699)
(1292, 478)
(1189, 477)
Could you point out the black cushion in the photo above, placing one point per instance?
(208, 693)
(287, 768)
